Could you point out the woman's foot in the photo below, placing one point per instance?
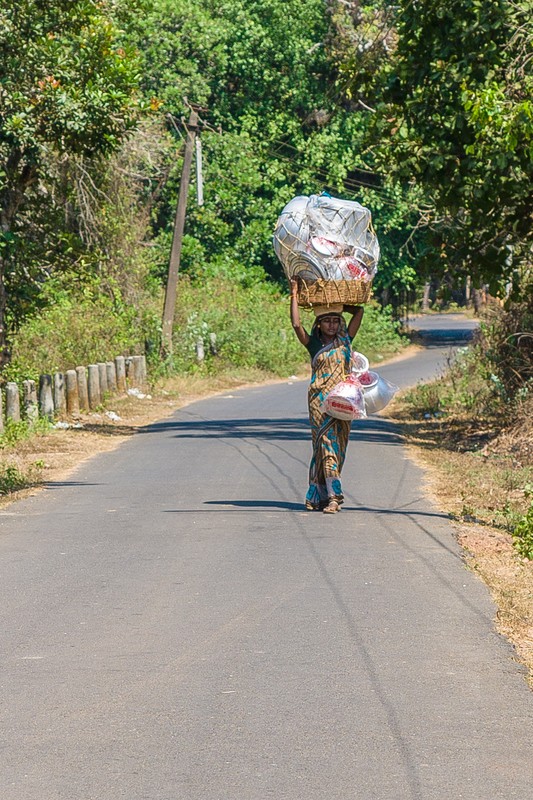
(332, 507)
(309, 506)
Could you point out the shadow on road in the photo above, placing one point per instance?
(273, 505)
(373, 429)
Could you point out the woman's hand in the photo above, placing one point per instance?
(294, 287)
(350, 309)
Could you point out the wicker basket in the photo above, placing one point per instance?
(325, 293)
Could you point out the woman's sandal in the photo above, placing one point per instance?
(332, 507)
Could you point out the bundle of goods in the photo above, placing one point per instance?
(345, 401)
(330, 247)
(363, 392)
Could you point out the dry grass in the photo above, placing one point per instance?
(478, 476)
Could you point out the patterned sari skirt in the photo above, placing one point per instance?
(330, 436)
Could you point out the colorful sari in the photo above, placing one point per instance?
(330, 436)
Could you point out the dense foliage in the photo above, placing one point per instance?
(422, 112)
(272, 127)
(457, 118)
(68, 90)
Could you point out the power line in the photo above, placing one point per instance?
(352, 184)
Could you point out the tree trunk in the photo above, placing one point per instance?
(18, 178)
(4, 351)
(468, 291)
(425, 298)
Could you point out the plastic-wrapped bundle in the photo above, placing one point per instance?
(345, 401)
(325, 238)
(358, 363)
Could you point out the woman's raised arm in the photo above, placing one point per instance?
(357, 317)
(299, 330)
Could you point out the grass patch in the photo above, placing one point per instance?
(14, 478)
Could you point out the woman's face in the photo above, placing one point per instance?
(330, 325)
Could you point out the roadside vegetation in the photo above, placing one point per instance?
(472, 429)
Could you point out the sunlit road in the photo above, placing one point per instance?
(176, 627)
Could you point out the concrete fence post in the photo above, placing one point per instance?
(83, 392)
(29, 400)
(46, 399)
(60, 398)
(213, 349)
(130, 371)
(138, 370)
(73, 403)
(200, 352)
(93, 385)
(144, 371)
(12, 401)
(102, 376)
(120, 365)
(111, 374)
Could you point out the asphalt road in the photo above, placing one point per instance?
(176, 627)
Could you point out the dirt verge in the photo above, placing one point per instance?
(476, 476)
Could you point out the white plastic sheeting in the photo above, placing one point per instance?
(325, 237)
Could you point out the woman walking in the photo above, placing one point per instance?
(329, 345)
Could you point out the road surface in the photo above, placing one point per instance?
(176, 627)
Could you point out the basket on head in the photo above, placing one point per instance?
(325, 293)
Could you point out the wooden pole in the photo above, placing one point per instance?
(179, 225)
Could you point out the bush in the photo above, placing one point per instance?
(506, 345)
(252, 327)
(493, 377)
(76, 329)
(250, 319)
(522, 528)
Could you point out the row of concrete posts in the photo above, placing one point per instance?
(70, 393)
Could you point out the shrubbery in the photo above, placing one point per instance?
(483, 406)
(77, 328)
(491, 378)
(253, 329)
(251, 324)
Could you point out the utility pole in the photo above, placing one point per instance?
(175, 253)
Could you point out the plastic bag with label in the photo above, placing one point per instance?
(345, 401)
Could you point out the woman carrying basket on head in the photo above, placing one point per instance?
(329, 345)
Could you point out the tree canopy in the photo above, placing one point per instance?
(456, 118)
(69, 86)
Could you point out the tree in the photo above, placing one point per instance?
(457, 120)
(275, 128)
(68, 86)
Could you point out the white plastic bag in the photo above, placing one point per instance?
(358, 363)
(345, 401)
(379, 395)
